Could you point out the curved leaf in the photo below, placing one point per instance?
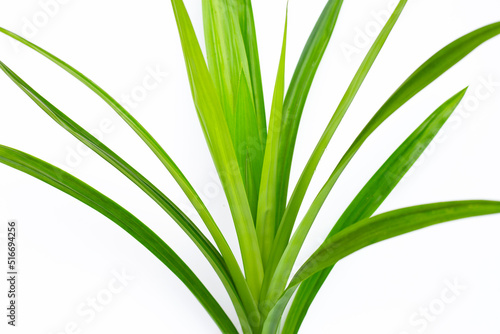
(229, 66)
(218, 138)
(293, 207)
(383, 181)
(388, 225)
(84, 193)
(421, 78)
(170, 165)
(374, 230)
(298, 91)
(130, 120)
(218, 263)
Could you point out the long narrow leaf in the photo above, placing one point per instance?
(266, 214)
(295, 202)
(249, 151)
(91, 197)
(247, 26)
(162, 156)
(298, 91)
(223, 54)
(130, 120)
(391, 172)
(374, 230)
(421, 78)
(389, 225)
(205, 246)
(228, 65)
(219, 141)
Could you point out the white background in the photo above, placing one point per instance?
(68, 252)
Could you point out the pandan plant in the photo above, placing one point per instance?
(253, 158)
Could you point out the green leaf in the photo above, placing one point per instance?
(167, 162)
(383, 181)
(218, 263)
(421, 78)
(131, 121)
(247, 26)
(218, 138)
(249, 151)
(292, 209)
(373, 230)
(91, 197)
(266, 214)
(298, 91)
(302, 301)
(223, 52)
(227, 59)
(388, 225)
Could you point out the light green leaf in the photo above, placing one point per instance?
(266, 214)
(218, 138)
(247, 26)
(227, 59)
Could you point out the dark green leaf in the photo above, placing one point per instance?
(298, 91)
(91, 197)
(374, 230)
(421, 78)
(212, 255)
(292, 209)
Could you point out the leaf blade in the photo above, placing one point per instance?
(295, 202)
(268, 193)
(227, 271)
(389, 225)
(382, 183)
(91, 197)
(421, 78)
(227, 60)
(374, 230)
(219, 141)
(156, 148)
(127, 117)
(249, 34)
(298, 90)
